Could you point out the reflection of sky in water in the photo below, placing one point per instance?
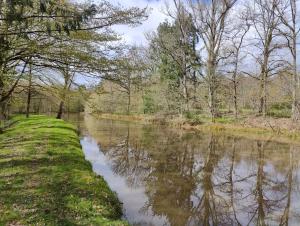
(133, 198)
(200, 186)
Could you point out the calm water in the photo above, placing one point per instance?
(171, 177)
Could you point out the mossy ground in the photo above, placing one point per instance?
(45, 180)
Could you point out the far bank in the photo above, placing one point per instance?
(269, 128)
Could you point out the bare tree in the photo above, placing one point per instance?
(236, 44)
(265, 22)
(287, 12)
(210, 18)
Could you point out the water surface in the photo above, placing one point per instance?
(171, 177)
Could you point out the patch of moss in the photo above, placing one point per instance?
(45, 180)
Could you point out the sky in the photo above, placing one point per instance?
(136, 35)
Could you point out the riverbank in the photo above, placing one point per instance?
(45, 179)
(273, 129)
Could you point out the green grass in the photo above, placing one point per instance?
(45, 180)
(281, 113)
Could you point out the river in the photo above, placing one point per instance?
(167, 176)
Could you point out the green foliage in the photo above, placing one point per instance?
(280, 110)
(55, 33)
(281, 106)
(168, 69)
(279, 113)
(64, 16)
(194, 118)
(189, 115)
(45, 180)
(225, 119)
(149, 105)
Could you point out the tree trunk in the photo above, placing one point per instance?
(212, 102)
(195, 87)
(262, 98)
(185, 93)
(60, 110)
(184, 81)
(263, 86)
(128, 103)
(235, 99)
(295, 107)
(66, 88)
(212, 90)
(29, 92)
(235, 84)
(3, 106)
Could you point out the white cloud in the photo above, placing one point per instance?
(136, 35)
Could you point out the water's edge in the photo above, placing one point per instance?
(125, 193)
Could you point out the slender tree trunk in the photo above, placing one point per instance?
(264, 112)
(263, 88)
(261, 97)
(29, 91)
(212, 102)
(238, 48)
(60, 110)
(129, 95)
(128, 103)
(295, 107)
(235, 100)
(184, 76)
(66, 88)
(185, 93)
(62, 102)
(235, 84)
(195, 87)
(212, 90)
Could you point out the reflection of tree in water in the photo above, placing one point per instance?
(269, 200)
(209, 210)
(201, 179)
(284, 220)
(172, 181)
(129, 160)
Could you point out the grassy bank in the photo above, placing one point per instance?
(270, 128)
(45, 180)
